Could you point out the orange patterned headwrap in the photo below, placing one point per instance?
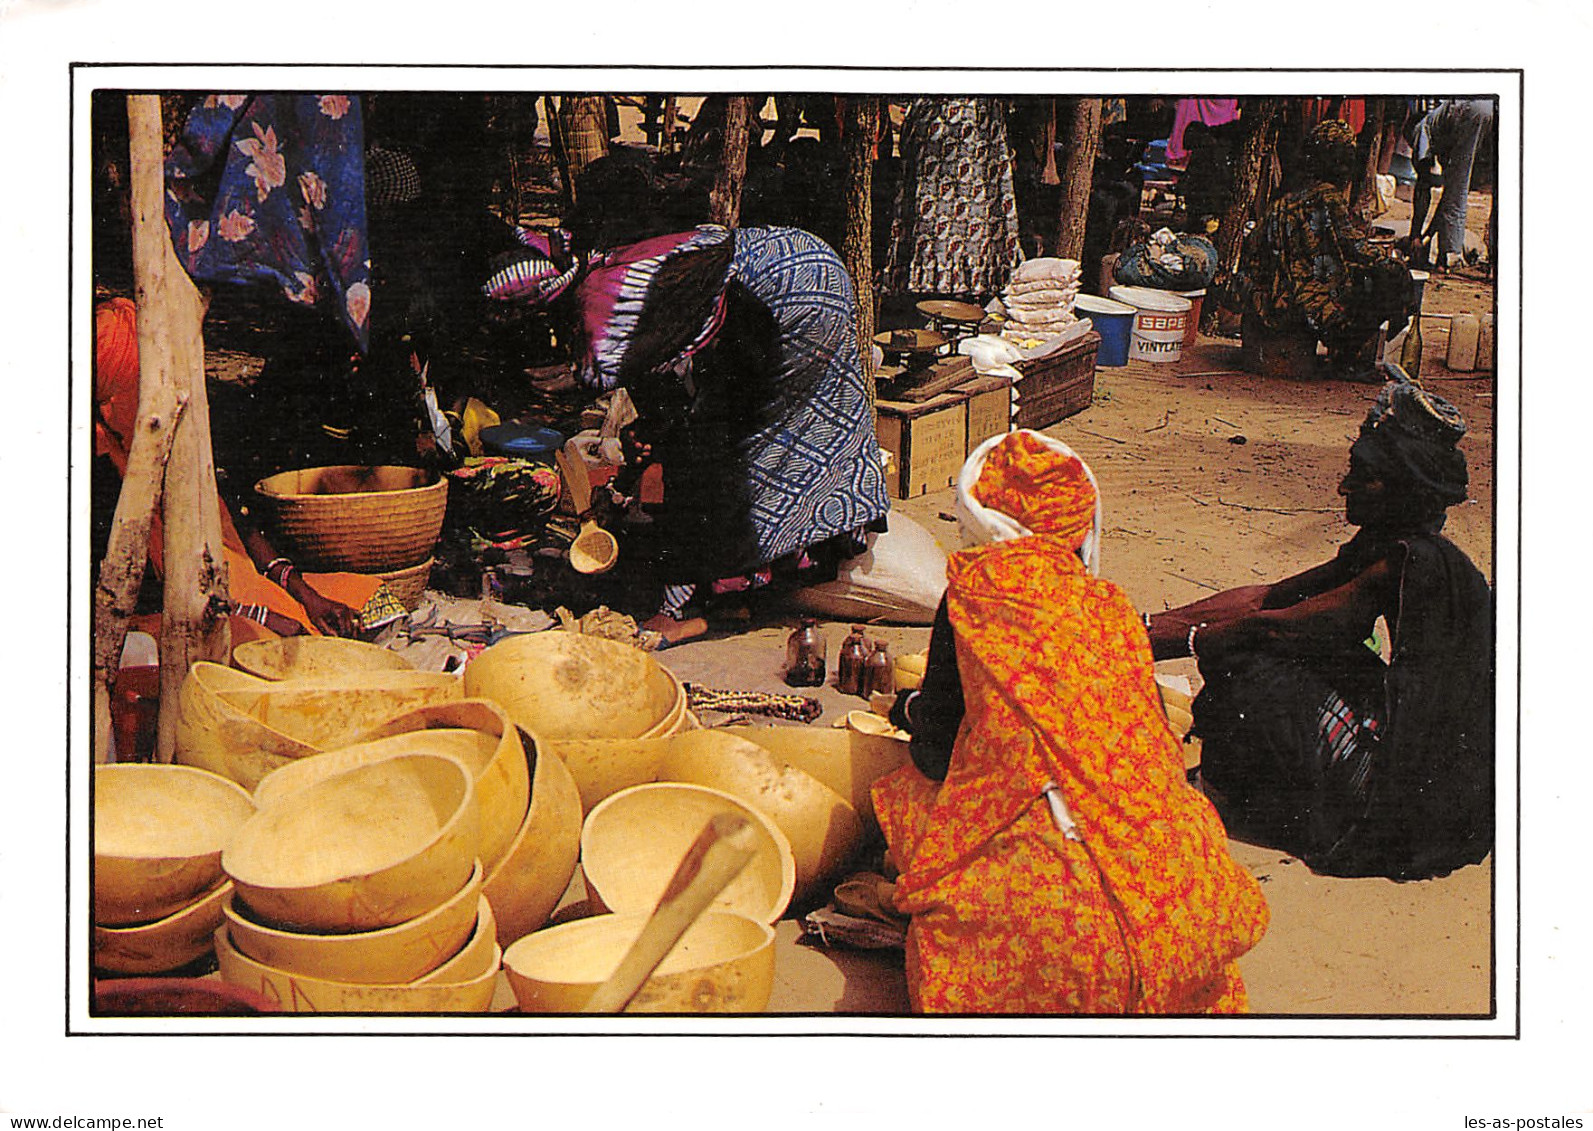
(115, 378)
(1044, 489)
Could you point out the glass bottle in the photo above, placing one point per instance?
(849, 661)
(805, 651)
(879, 672)
(1410, 356)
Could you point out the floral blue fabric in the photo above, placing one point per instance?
(270, 188)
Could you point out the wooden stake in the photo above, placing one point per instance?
(171, 355)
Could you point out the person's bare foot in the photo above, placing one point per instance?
(674, 631)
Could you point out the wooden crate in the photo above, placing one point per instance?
(928, 442)
(989, 408)
(1058, 385)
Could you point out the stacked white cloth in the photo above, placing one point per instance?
(1039, 299)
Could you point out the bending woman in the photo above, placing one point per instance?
(1310, 741)
(1057, 861)
(740, 351)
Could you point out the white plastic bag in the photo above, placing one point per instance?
(899, 578)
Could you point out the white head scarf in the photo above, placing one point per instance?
(980, 524)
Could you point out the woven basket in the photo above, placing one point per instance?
(355, 519)
(408, 584)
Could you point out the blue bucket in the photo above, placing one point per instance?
(1114, 321)
(522, 441)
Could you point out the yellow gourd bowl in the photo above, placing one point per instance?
(604, 766)
(632, 843)
(479, 955)
(527, 885)
(314, 657)
(166, 944)
(159, 832)
(823, 829)
(503, 778)
(300, 993)
(242, 727)
(723, 964)
(561, 685)
(371, 847)
(401, 953)
(846, 760)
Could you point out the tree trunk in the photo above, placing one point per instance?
(127, 553)
(1259, 124)
(724, 202)
(171, 356)
(580, 128)
(1083, 118)
(1365, 195)
(857, 244)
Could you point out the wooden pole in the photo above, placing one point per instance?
(724, 202)
(857, 243)
(1259, 127)
(1083, 116)
(171, 354)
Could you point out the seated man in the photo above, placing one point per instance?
(1308, 269)
(1311, 742)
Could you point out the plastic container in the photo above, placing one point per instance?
(522, 441)
(1160, 319)
(1197, 299)
(1114, 321)
(1418, 288)
(1464, 333)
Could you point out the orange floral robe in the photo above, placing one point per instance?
(1139, 908)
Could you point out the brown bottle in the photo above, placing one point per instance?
(879, 672)
(805, 652)
(1410, 357)
(849, 661)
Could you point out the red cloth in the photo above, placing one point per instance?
(1208, 111)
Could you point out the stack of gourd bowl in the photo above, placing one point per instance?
(405, 834)
(159, 832)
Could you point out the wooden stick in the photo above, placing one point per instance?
(171, 355)
(716, 857)
(126, 555)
